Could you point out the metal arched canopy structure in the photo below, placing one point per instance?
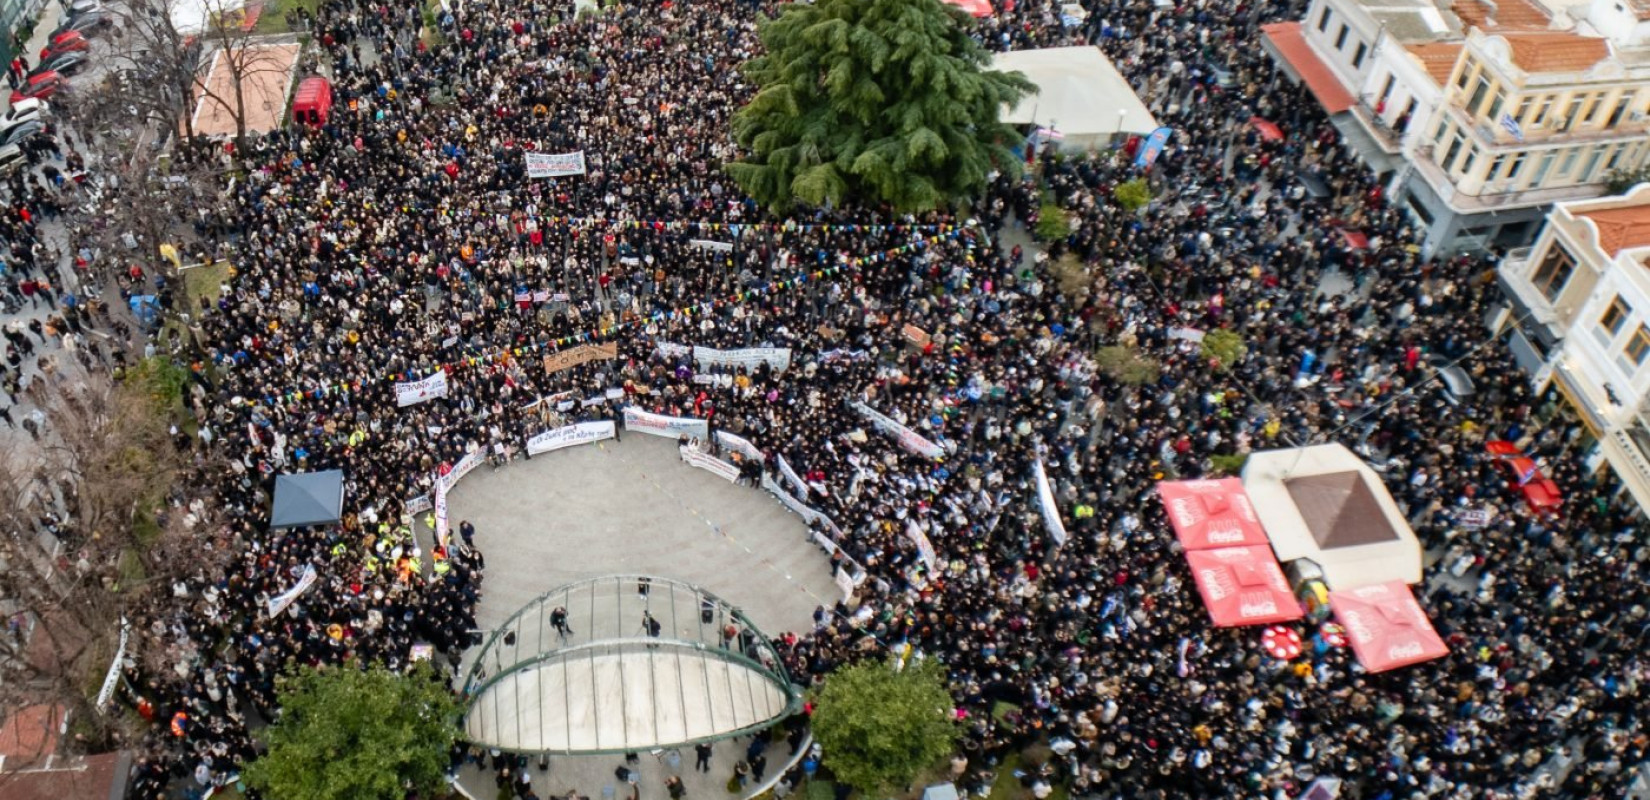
(624, 663)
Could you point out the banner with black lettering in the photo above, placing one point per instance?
(280, 602)
(570, 435)
(908, 439)
(647, 422)
(778, 358)
(415, 392)
(1045, 502)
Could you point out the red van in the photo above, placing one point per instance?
(313, 102)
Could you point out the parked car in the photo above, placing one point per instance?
(29, 108)
(63, 35)
(1524, 476)
(11, 157)
(87, 23)
(79, 7)
(43, 85)
(69, 41)
(63, 63)
(21, 131)
(1455, 381)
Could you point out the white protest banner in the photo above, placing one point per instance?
(669, 350)
(845, 582)
(415, 392)
(1045, 500)
(925, 548)
(908, 439)
(469, 462)
(779, 358)
(641, 421)
(711, 464)
(442, 523)
(1186, 334)
(740, 445)
(419, 503)
(279, 602)
(550, 165)
(796, 481)
(112, 677)
(570, 435)
(711, 244)
(803, 510)
(1475, 518)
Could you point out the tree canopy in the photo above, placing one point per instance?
(874, 102)
(347, 733)
(879, 727)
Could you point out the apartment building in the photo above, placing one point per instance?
(1577, 320)
(1480, 115)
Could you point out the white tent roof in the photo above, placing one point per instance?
(1079, 92)
(1325, 504)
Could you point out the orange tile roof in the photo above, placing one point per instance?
(1622, 228)
(1556, 52)
(1505, 15)
(1287, 39)
(30, 734)
(1438, 58)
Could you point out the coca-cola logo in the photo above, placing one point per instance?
(1257, 605)
(1216, 583)
(1355, 625)
(1410, 649)
(1185, 511)
(1229, 533)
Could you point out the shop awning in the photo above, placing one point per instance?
(1242, 586)
(1212, 513)
(1386, 626)
(1288, 44)
(309, 498)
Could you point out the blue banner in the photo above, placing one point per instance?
(1152, 147)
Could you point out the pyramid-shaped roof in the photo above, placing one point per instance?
(1339, 509)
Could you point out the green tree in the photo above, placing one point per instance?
(1223, 348)
(1052, 222)
(1622, 181)
(1127, 365)
(1133, 195)
(876, 102)
(879, 727)
(347, 733)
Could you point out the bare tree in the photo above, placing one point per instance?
(93, 533)
(257, 71)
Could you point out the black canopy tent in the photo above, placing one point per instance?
(309, 498)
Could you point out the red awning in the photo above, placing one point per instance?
(1386, 626)
(1209, 514)
(1290, 44)
(978, 8)
(1268, 130)
(1243, 586)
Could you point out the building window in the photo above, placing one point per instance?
(1450, 155)
(1517, 166)
(1524, 109)
(1466, 75)
(1569, 160)
(1386, 91)
(1554, 271)
(1358, 55)
(1572, 115)
(1614, 319)
(1495, 106)
(1471, 159)
(1478, 95)
(1404, 119)
(1541, 112)
(1615, 157)
(1622, 106)
(1340, 38)
(1586, 173)
(1323, 19)
(1542, 168)
(1495, 167)
(1638, 346)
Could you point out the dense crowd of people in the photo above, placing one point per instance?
(403, 237)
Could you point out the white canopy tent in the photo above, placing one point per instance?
(1324, 504)
(1079, 93)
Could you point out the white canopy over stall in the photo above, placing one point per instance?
(1079, 94)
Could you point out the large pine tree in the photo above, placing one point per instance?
(873, 102)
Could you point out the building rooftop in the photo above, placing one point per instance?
(1556, 52)
(1437, 58)
(1502, 15)
(1622, 228)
